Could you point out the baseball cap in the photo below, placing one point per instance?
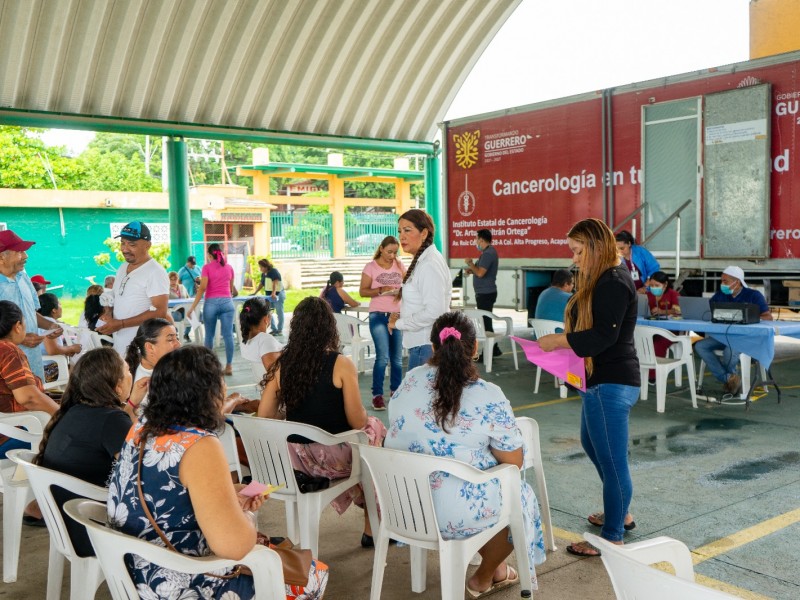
(40, 280)
(135, 230)
(11, 241)
(191, 259)
(735, 272)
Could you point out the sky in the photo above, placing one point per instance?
(555, 48)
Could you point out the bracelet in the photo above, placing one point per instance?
(131, 404)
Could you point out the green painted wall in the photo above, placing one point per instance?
(68, 261)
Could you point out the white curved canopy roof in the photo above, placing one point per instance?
(380, 69)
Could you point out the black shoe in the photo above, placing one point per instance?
(33, 521)
(497, 351)
(368, 542)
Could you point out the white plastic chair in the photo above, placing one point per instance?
(17, 492)
(543, 327)
(111, 547)
(350, 334)
(488, 339)
(63, 371)
(632, 576)
(643, 339)
(86, 575)
(744, 366)
(228, 441)
(533, 460)
(402, 485)
(268, 454)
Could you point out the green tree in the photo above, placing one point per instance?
(160, 252)
(113, 171)
(25, 160)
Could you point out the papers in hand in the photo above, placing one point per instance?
(562, 363)
(255, 488)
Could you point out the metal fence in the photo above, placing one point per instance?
(301, 235)
(364, 232)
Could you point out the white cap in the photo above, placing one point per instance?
(735, 272)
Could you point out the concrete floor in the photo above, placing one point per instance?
(722, 479)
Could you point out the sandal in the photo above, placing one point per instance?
(583, 549)
(598, 520)
(512, 578)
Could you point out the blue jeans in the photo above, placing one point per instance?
(419, 355)
(388, 350)
(604, 437)
(220, 309)
(277, 306)
(721, 369)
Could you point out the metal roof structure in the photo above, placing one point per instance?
(288, 71)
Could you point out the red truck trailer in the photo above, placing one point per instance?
(720, 146)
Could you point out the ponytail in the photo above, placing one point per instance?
(215, 252)
(147, 332)
(253, 311)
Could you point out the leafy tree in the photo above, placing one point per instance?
(160, 252)
(25, 160)
(113, 171)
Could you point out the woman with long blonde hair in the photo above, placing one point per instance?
(599, 323)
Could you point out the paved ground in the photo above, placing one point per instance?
(722, 479)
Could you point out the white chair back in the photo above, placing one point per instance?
(86, 575)
(351, 334)
(632, 576)
(228, 440)
(489, 339)
(533, 461)
(112, 546)
(16, 492)
(643, 336)
(402, 485)
(542, 327)
(268, 454)
(63, 371)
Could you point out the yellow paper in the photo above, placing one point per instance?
(271, 488)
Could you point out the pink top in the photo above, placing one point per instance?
(219, 279)
(381, 278)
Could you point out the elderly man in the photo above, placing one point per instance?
(141, 288)
(16, 287)
(733, 289)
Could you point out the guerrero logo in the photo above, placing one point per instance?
(467, 148)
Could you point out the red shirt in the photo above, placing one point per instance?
(665, 302)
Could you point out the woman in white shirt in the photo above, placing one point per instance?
(426, 287)
(258, 347)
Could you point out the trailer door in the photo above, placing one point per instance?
(672, 174)
(737, 170)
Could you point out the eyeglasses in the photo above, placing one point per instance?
(123, 284)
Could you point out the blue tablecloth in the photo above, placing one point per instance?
(756, 340)
(188, 301)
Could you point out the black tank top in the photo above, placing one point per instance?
(323, 406)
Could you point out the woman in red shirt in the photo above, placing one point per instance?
(663, 300)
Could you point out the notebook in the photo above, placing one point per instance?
(644, 306)
(696, 309)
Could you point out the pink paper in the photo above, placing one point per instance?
(561, 363)
(253, 489)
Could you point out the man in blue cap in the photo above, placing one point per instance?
(141, 288)
(16, 287)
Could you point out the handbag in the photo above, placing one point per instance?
(296, 563)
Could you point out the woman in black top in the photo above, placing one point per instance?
(312, 383)
(600, 319)
(86, 433)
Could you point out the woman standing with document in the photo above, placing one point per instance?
(599, 323)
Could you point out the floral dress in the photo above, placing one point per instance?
(171, 507)
(484, 421)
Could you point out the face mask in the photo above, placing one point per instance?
(656, 291)
(726, 289)
(478, 246)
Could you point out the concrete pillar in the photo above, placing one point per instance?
(180, 219)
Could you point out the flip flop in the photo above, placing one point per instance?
(598, 520)
(512, 578)
(583, 549)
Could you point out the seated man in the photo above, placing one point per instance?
(553, 300)
(733, 289)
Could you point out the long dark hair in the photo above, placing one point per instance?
(455, 369)
(333, 278)
(215, 250)
(92, 382)
(313, 334)
(422, 222)
(186, 390)
(10, 315)
(92, 309)
(253, 311)
(147, 332)
(387, 241)
(47, 304)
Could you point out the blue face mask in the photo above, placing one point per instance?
(726, 289)
(478, 246)
(656, 291)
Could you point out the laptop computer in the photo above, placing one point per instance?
(696, 309)
(643, 309)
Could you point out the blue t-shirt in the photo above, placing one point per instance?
(747, 295)
(187, 277)
(551, 304)
(334, 299)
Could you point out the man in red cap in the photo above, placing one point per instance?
(16, 287)
(40, 284)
